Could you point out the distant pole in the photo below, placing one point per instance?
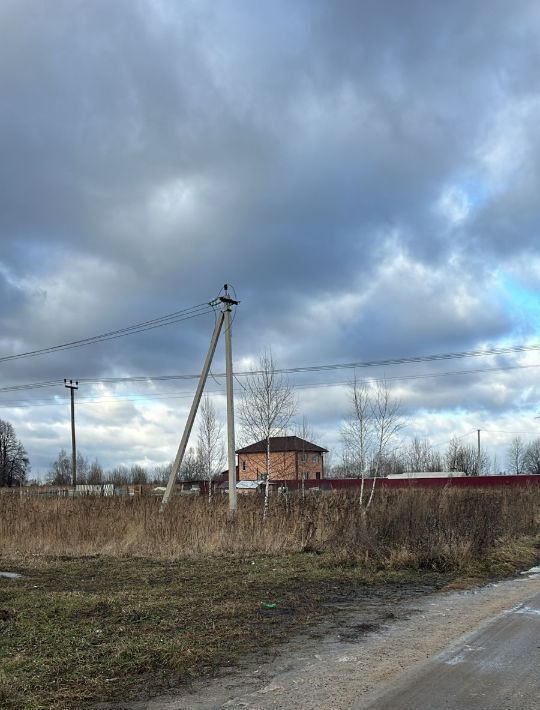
(478, 464)
(228, 302)
(72, 387)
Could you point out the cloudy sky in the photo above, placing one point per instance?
(365, 173)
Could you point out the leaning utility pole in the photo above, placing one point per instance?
(224, 315)
(72, 387)
(192, 412)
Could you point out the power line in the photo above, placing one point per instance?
(454, 438)
(503, 431)
(207, 308)
(172, 378)
(418, 358)
(134, 397)
(420, 376)
(171, 318)
(24, 404)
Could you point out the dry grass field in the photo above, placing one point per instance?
(117, 601)
(420, 528)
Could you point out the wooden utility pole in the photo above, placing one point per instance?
(72, 387)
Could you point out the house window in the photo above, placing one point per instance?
(315, 458)
(243, 465)
(306, 476)
(304, 458)
(318, 475)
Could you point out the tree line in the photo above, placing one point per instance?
(60, 472)
(203, 461)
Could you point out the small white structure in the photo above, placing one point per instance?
(249, 485)
(426, 474)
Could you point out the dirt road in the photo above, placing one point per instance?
(364, 664)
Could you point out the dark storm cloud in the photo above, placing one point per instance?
(362, 172)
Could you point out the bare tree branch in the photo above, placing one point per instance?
(375, 421)
(210, 443)
(266, 407)
(516, 455)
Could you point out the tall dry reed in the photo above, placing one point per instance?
(425, 528)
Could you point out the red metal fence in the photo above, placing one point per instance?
(341, 484)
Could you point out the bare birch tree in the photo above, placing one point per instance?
(266, 408)
(387, 423)
(357, 432)
(210, 443)
(373, 425)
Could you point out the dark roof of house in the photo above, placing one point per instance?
(224, 475)
(282, 443)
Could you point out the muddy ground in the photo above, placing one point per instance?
(347, 663)
(138, 627)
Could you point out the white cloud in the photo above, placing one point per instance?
(454, 204)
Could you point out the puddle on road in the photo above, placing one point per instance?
(11, 575)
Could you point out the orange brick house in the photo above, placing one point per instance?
(291, 458)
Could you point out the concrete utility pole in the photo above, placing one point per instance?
(72, 387)
(192, 412)
(228, 302)
(224, 316)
